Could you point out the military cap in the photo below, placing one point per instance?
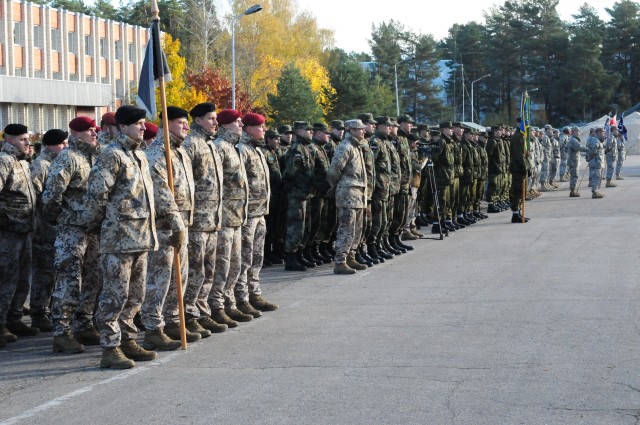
(271, 134)
(495, 127)
(457, 124)
(337, 124)
(383, 120)
(445, 124)
(394, 121)
(285, 129)
(469, 130)
(547, 127)
(301, 125)
(405, 118)
(483, 134)
(599, 129)
(227, 116)
(129, 114)
(354, 124)
(150, 131)
(108, 118)
(252, 119)
(15, 129)
(318, 126)
(575, 128)
(434, 133)
(201, 109)
(422, 127)
(566, 129)
(412, 137)
(82, 123)
(366, 118)
(53, 137)
(173, 113)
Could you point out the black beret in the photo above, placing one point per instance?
(129, 114)
(202, 108)
(15, 129)
(54, 137)
(173, 113)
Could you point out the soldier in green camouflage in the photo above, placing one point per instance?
(369, 162)
(380, 145)
(272, 220)
(401, 199)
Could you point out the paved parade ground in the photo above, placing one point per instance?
(500, 323)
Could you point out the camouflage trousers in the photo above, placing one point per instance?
(412, 208)
(202, 266)
(563, 167)
(595, 177)
(367, 223)
(78, 279)
(316, 214)
(611, 166)
(296, 216)
(15, 266)
(454, 197)
(573, 174)
(479, 185)
(378, 220)
(441, 211)
(384, 232)
(328, 229)
(400, 206)
(464, 197)
(121, 297)
(349, 232)
(619, 163)
(544, 173)
(42, 277)
(253, 233)
(228, 263)
(160, 304)
(492, 188)
(553, 169)
(515, 192)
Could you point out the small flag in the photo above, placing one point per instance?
(622, 129)
(525, 117)
(153, 67)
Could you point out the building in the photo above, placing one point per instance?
(56, 65)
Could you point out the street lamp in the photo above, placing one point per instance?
(475, 81)
(249, 11)
(395, 70)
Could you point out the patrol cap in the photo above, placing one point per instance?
(53, 137)
(150, 131)
(252, 119)
(285, 129)
(383, 120)
(227, 116)
(108, 118)
(337, 124)
(202, 109)
(547, 127)
(173, 113)
(422, 127)
(469, 130)
(413, 137)
(405, 118)
(15, 129)
(394, 121)
(434, 133)
(318, 126)
(483, 134)
(599, 129)
(354, 124)
(129, 114)
(495, 127)
(445, 124)
(457, 124)
(566, 129)
(575, 128)
(367, 118)
(271, 134)
(82, 123)
(302, 125)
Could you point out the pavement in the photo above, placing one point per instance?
(499, 323)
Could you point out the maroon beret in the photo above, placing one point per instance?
(150, 131)
(252, 119)
(109, 118)
(82, 123)
(228, 116)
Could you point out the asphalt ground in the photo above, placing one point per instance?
(499, 323)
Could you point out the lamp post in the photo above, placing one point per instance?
(395, 70)
(475, 81)
(249, 11)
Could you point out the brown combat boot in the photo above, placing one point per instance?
(408, 236)
(19, 328)
(6, 334)
(261, 304)
(66, 344)
(610, 184)
(342, 268)
(156, 339)
(194, 326)
(133, 351)
(219, 316)
(619, 178)
(247, 308)
(173, 331)
(89, 336)
(114, 358)
(574, 194)
(597, 195)
(211, 325)
(237, 315)
(351, 262)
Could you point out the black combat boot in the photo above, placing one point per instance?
(372, 251)
(403, 245)
(361, 257)
(304, 260)
(382, 252)
(324, 250)
(315, 250)
(291, 263)
(386, 244)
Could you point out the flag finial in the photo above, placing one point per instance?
(155, 12)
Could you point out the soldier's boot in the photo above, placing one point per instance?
(574, 194)
(492, 208)
(435, 228)
(156, 339)
(302, 260)
(367, 257)
(324, 250)
(133, 351)
(597, 195)
(237, 315)
(342, 268)
(382, 252)
(360, 259)
(618, 177)
(291, 264)
(416, 233)
(42, 321)
(610, 184)
(218, 315)
(402, 245)
(194, 326)
(19, 328)
(278, 250)
(266, 262)
(319, 254)
(89, 336)
(3, 341)
(517, 218)
(372, 251)
(309, 255)
(211, 325)
(354, 264)
(386, 244)
(7, 335)
(470, 218)
(246, 308)
(394, 241)
(114, 358)
(408, 236)
(172, 330)
(66, 344)
(261, 304)
(331, 248)
(273, 258)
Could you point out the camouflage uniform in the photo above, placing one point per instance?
(379, 203)
(272, 220)
(394, 182)
(17, 215)
(495, 157)
(174, 213)
(78, 278)
(457, 173)
(44, 237)
(546, 159)
(347, 173)
(254, 230)
(611, 154)
(573, 159)
(595, 156)
(104, 139)
(564, 155)
(401, 200)
(481, 181)
(467, 176)
(443, 170)
(317, 207)
(328, 231)
(622, 154)
(554, 160)
(207, 216)
(235, 200)
(120, 201)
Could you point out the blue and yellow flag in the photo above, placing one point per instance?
(525, 117)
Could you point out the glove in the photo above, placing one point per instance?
(177, 238)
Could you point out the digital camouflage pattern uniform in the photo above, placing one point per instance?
(595, 155)
(120, 200)
(78, 277)
(611, 154)
(573, 160)
(174, 213)
(380, 202)
(401, 199)
(622, 154)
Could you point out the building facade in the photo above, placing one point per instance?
(56, 65)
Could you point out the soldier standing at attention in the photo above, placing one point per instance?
(369, 159)
(595, 156)
(328, 232)
(272, 220)
(519, 169)
(622, 154)
(564, 142)
(120, 200)
(348, 175)
(17, 206)
(44, 236)
(207, 214)
(573, 160)
(380, 143)
(611, 154)
(78, 278)
(247, 293)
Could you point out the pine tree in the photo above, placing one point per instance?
(294, 100)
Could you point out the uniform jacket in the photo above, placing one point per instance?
(369, 165)
(467, 153)
(611, 148)
(519, 162)
(382, 165)
(235, 194)
(595, 153)
(17, 194)
(394, 181)
(257, 171)
(44, 231)
(348, 175)
(321, 165)
(298, 178)
(275, 176)
(444, 163)
(405, 161)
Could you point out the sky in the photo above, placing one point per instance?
(352, 19)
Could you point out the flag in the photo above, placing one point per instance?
(153, 67)
(622, 129)
(607, 124)
(525, 117)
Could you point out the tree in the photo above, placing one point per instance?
(295, 100)
(71, 5)
(104, 9)
(217, 89)
(204, 32)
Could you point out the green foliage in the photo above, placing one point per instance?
(294, 100)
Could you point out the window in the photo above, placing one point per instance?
(18, 33)
(38, 40)
(72, 42)
(88, 45)
(103, 48)
(118, 48)
(55, 39)
(132, 52)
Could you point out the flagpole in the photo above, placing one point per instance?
(155, 13)
(525, 125)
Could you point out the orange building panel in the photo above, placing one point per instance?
(132, 72)
(71, 23)
(16, 10)
(116, 31)
(17, 57)
(129, 34)
(88, 65)
(1, 54)
(35, 15)
(53, 16)
(55, 61)
(118, 70)
(102, 29)
(37, 59)
(103, 68)
(72, 63)
(86, 23)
